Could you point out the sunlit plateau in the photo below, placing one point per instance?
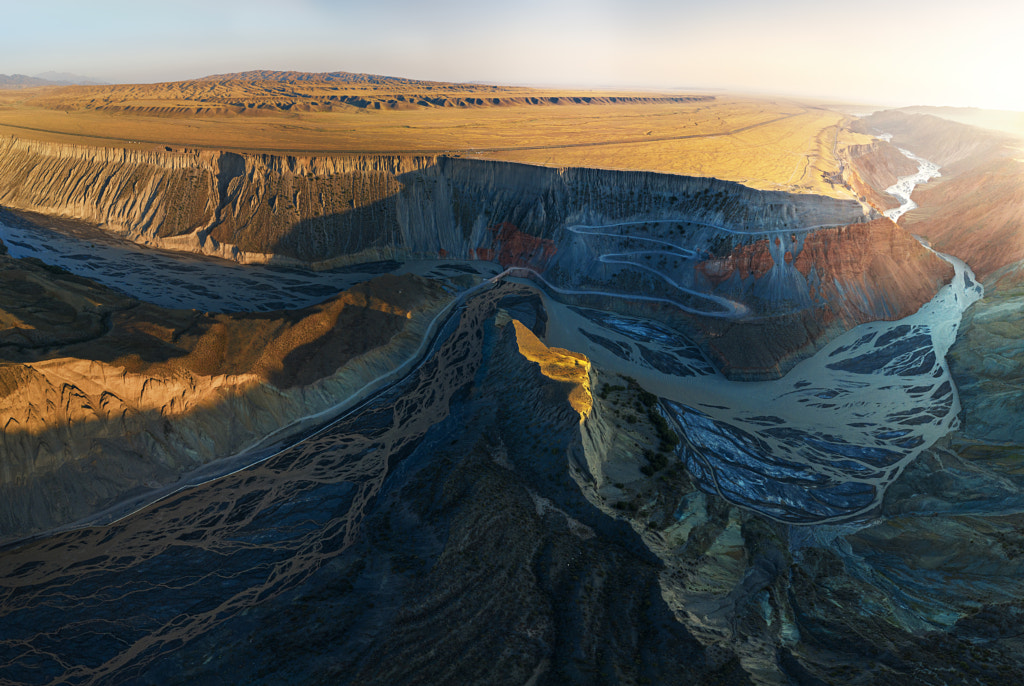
(534, 344)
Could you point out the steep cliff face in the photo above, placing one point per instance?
(103, 398)
(344, 209)
(976, 215)
(805, 290)
(674, 246)
(976, 208)
(874, 269)
(243, 207)
(873, 168)
(757, 303)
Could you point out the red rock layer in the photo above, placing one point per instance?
(977, 216)
(748, 260)
(517, 249)
(892, 271)
(855, 274)
(875, 167)
(886, 271)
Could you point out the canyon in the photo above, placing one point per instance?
(291, 417)
(838, 266)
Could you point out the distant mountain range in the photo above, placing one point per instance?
(65, 78)
(47, 78)
(340, 77)
(1005, 121)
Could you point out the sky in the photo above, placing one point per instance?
(908, 52)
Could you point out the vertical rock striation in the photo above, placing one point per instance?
(346, 209)
(975, 210)
(682, 240)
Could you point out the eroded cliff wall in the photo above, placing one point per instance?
(346, 209)
(975, 209)
(873, 168)
(104, 398)
(321, 211)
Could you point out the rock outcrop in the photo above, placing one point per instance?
(558, 364)
(103, 398)
(805, 291)
(347, 209)
(975, 210)
(319, 211)
(872, 168)
(756, 303)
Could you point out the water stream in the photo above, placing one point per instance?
(905, 185)
(821, 444)
(95, 603)
(180, 280)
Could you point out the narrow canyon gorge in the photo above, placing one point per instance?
(283, 417)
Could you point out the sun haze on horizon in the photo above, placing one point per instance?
(918, 52)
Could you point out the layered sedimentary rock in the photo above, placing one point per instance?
(103, 397)
(975, 209)
(830, 281)
(214, 202)
(690, 232)
(873, 168)
(757, 303)
(315, 209)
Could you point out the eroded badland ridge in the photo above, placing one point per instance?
(802, 277)
(93, 380)
(764, 280)
(521, 452)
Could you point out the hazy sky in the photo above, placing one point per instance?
(891, 52)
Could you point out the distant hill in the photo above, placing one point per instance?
(65, 78)
(1005, 121)
(22, 81)
(266, 92)
(48, 78)
(338, 77)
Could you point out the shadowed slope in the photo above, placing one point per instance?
(104, 397)
(774, 264)
(766, 143)
(975, 209)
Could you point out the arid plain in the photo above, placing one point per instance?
(764, 142)
(349, 379)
